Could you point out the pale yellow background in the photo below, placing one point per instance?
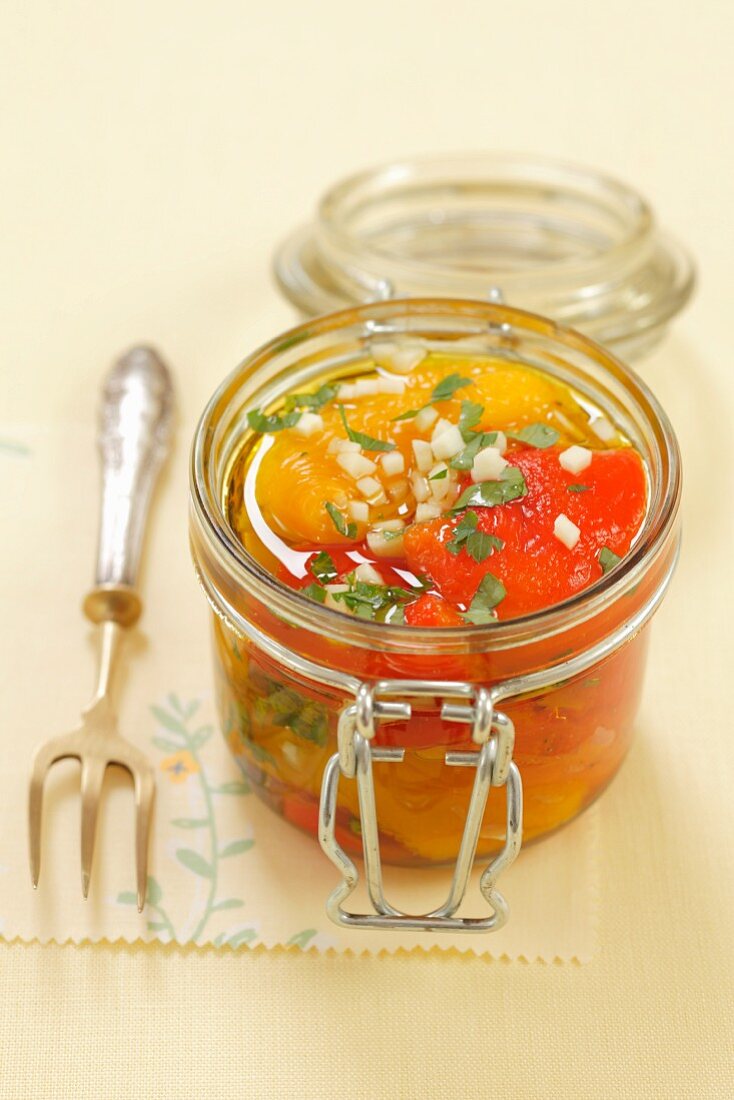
(151, 153)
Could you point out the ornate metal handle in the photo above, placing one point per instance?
(135, 425)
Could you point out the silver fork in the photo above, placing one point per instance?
(134, 435)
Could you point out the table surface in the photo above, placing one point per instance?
(152, 155)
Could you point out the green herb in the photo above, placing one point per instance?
(349, 530)
(477, 544)
(365, 441)
(578, 488)
(448, 386)
(323, 567)
(371, 601)
(464, 460)
(314, 592)
(470, 415)
(608, 559)
(397, 615)
(439, 476)
(317, 400)
(537, 435)
(488, 493)
(409, 414)
(259, 422)
(490, 592)
(388, 536)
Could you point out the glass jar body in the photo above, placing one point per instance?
(569, 677)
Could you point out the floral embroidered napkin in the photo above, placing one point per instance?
(224, 869)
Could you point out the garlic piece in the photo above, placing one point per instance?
(423, 454)
(566, 531)
(308, 424)
(356, 465)
(393, 463)
(488, 465)
(575, 459)
(448, 443)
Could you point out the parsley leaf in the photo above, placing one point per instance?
(477, 442)
(317, 400)
(365, 441)
(471, 414)
(440, 475)
(372, 601)
(323, 567)
(314, 592)
(349, 530)
(537, 435)
(409, 414)
(259, 422)
(578, 488)
(466, 526)
(490, 592)
(608, 559)
(477, 544)
(448, 386)
(487, 493)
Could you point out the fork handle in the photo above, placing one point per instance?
(135, 427)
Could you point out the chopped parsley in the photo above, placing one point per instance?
(372, 601)
(314, 592)
(608, 559)
(439, 476)
(477, 544)
(448, 386)
(477, 441)
(367, 442)
(510, 486)
(471, 414)
(317, 400)
(490, 592)
(259, 422)
(578, 488)
(323, 567)
(537, 435)
(349, 530)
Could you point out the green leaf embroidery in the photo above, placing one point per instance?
(490, 592)
(448, 386)
(323, 568)
(367, 442)
(228, 903)
(127, 897)
(164, 744)
(247, 935)
(168, 720)
(236, 848)
(235, 786)
(195, 862)
(608, 559)
(537, 435)
(157, 926)
(510, 486)
(274, 423)
(154, 894)
(301, 939)
(190, 822)
(349, 530)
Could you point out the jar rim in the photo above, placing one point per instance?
(212, 524)
(578, 244)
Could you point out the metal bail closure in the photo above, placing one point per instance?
(492, 732)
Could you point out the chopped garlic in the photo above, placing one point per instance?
(392, 385)
(398, 490)
(343, 446)
(401, 357)
(356, 465)
(389, 525)
(488, 465)
(331, 589)
(575, 459)
(566, 531)
(427, 511)
(425, 418)
(440, 427)
(367, 573)
(603, 429)
(419, 485)
(347, 392)
(501, 442)
(359, 511)
(383, 547)
(393, 463)
(423, 454)
(309, 423)
(449, 443)
(366, 387)
(371, 490)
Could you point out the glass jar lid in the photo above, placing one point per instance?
(560, 240)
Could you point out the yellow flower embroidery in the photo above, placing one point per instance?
(179, 766)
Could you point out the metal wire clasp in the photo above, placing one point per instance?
(494, 735)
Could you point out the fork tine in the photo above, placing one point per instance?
(45, 756)
(93, 770)
(144, 794)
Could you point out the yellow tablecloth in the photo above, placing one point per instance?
(152, 153)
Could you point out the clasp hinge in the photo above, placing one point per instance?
(492, 732)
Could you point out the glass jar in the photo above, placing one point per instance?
(309, 698)
(561, 240)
